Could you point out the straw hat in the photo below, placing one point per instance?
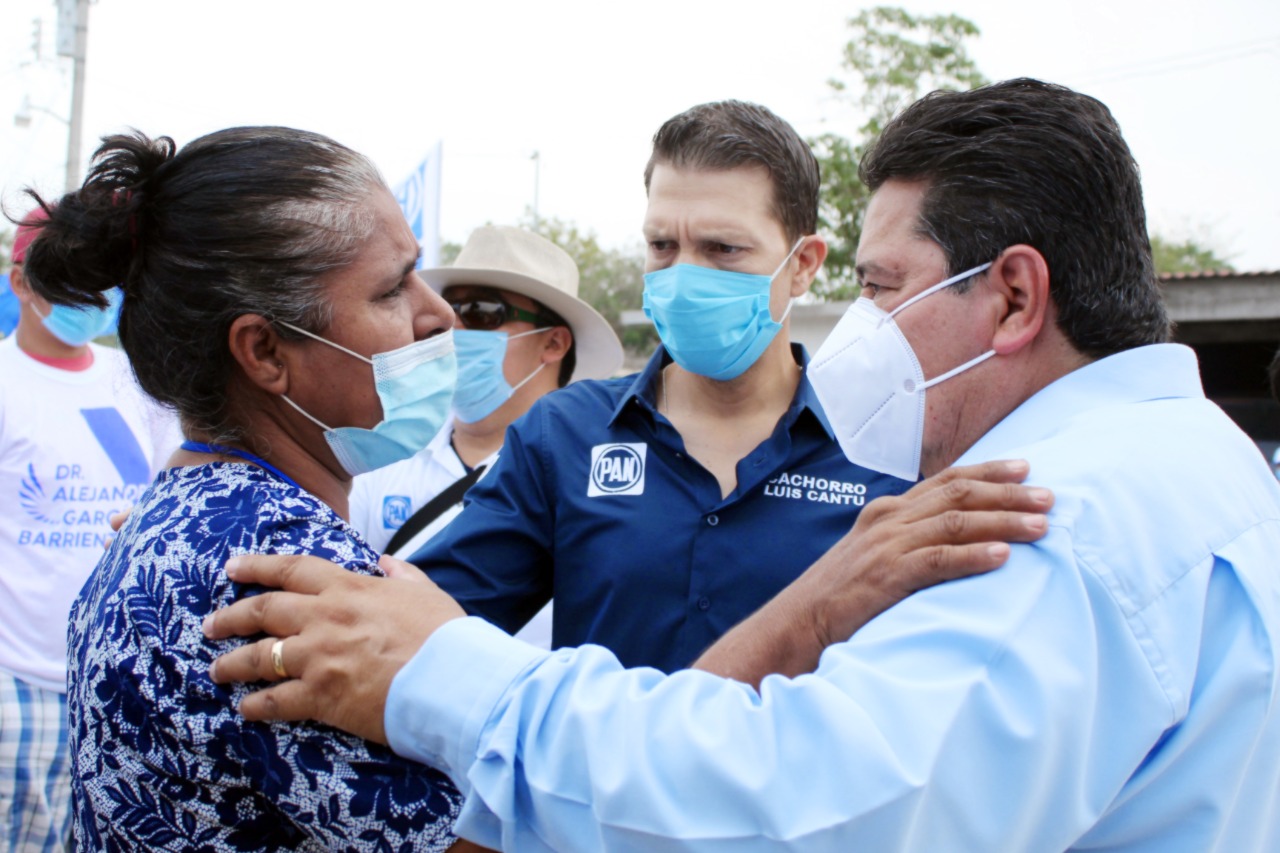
(522, 262)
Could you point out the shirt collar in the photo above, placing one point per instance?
(1152, 372)
(643, 392)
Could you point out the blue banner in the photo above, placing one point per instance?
(419, 198)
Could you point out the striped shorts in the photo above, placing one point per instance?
(35, 769)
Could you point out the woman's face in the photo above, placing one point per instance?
(379, 304)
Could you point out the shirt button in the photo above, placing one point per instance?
(713, 520)
(704, 603)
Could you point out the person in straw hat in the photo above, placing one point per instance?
(521, 332)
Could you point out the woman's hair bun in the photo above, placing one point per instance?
(95, 236)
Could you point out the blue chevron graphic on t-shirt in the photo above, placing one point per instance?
(120, 444)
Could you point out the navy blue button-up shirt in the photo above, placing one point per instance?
(595, 501)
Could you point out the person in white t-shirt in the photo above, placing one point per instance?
(78, 442)
(521, 332)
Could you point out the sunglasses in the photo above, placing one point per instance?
(488, 313)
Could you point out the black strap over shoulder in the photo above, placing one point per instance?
(433, 509)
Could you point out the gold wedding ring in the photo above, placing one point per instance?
(277, 658)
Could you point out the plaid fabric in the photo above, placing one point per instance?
(35, 771)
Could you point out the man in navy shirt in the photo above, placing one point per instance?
(661, 509)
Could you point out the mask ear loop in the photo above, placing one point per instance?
(939, 286)
(955, 279)
(792, 301)
(525, 381)
(787, 259)
(324, 341)
(306, 414)
(538, 369)
(961, 369)
(285, 397)
(531, 332)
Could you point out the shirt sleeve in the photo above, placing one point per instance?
(1001, 712)
(496, 557)
(335, 788)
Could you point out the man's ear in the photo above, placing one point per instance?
(256, 348)
(1021, 277)
(806, 262)
(555, 344)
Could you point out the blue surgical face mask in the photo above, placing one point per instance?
(415, 386)
(482, 385)
(75, 327)
(713, 322)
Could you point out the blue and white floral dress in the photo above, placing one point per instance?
(161, 760)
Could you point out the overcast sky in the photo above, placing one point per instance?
(585, 84)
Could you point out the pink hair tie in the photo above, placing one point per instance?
(28, 230)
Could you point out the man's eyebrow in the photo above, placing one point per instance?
(705, 232)
(873, 268)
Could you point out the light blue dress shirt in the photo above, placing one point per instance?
(1112, 688)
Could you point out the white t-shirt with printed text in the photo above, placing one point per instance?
(75, 447)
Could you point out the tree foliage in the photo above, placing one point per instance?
(449, 253)
(892, 59)
(1186, 256)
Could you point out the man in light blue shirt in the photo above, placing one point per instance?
(1113, 687)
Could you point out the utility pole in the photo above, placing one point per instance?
(73, 41)
(537, 174)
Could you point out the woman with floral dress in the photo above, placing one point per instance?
(270, 298)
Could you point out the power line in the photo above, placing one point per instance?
(1182, 62)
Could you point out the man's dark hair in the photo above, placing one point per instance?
(730, 134)
(1029, 162)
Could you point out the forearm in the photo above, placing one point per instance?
(944, 528)
(949, 703)
(845, 589)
